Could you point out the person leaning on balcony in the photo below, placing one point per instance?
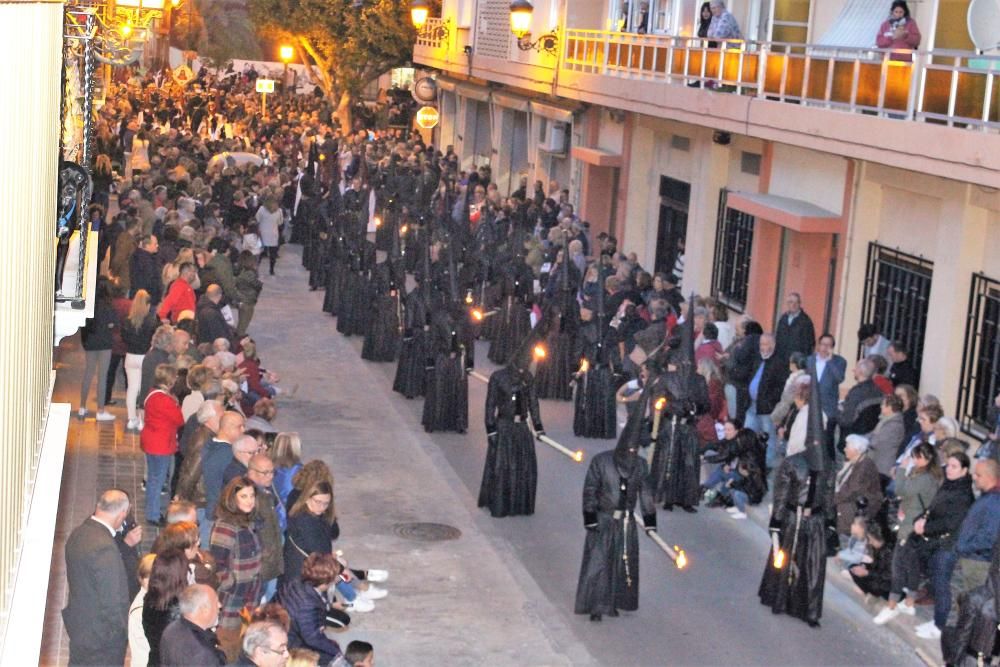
(899, 31)
(723, 24)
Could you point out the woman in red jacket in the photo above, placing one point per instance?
(899, 31)
(159, 438)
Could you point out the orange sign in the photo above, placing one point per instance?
(428, 117)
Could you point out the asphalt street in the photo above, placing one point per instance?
(503, 592)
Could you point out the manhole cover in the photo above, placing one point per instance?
(427, 532)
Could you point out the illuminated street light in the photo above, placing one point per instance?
(419, 10)
(521, 12)
(286, 52)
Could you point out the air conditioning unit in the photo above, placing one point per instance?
(556, 138)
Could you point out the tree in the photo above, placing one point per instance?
(347, 43)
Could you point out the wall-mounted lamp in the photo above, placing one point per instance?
(419, 12)
(521, 12)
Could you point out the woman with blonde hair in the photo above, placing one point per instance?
(138, 645)
(137, 333)
(168, 275)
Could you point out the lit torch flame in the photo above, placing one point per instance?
(540, 352)
(378, 221)
(578, 456)
(477, 315)
(468, 298)
(403, 229)
(661, 403)
(779, 559)
(584, 365)
(682, 559)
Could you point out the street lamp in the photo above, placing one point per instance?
(521, 12)
(419, 9)
(286, 53)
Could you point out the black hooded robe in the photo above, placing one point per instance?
(383, 336)
(609, 573)
(446, 401)
(676, 464)
(414, 350)
(562, 356)
(510, 475)
(797, 588)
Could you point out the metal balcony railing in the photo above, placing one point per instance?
(434, 34)
(950, 87)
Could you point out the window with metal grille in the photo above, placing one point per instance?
(897, 295)
(980, 381)
(733, 243)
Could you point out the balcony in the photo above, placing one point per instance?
(935, 112)
(75, 301)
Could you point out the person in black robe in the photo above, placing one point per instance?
(562, 361)
(338, 267)
(616, 480)
(446, 399)
(512, 321)
(595, 413)
(414, 349)
(510, 475)
(803, 519)
(385, 326)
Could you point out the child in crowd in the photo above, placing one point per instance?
(856, 551)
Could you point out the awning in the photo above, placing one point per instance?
(597, 157)
(552, 112)
(472, 92)
(795, 214)
(508, 101)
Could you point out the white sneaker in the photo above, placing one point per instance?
(133, 425)
(732, 510)
(104, 416)
(886, 615)
(373, 593)
(81, 413)
(377, 576)
(361, 605)
(737, 515)
(907, 609)
(931, 632)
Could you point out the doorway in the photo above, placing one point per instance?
(675, 196)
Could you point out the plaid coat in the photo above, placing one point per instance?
(238, 554)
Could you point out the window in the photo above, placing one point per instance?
(980, 381)
(672, 226)
(897, 295)
(626, 15)
(733, 244)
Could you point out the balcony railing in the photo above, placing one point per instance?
(950, 87)
(434, 34)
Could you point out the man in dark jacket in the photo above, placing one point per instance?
(902, 370)
(861, 409)
(743, 360)
(766, 385)
(211, 323)
(145, 270)
(795, 332)
(260, 470)
(265, 644)
(189, 640)
(96, 615)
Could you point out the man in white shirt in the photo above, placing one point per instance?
(872, 342)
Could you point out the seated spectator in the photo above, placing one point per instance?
(265, 644)
(915, 490)
(927, 417)
(739, 480)
(360, 654)
(860, 410)
(856, 551)
(264, 412)
(857, 484)
(887, 438)
(880, 378)
(910, 399)
(306, 600)
(873, 576)
(189, 640)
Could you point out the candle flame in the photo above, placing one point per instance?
(584, 365)
(403, 229)
(578, 456)
(779, 559)
(661, 403)
(468, 298)
(682, 559)
(378, 221)
(540, 352)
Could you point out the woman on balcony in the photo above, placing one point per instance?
(899, 31)
(723, 24)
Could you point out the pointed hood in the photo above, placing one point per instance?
(626, 451)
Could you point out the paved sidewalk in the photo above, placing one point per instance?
(454, 602)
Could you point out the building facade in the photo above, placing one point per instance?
(801, 159)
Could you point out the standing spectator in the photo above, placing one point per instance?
(243, 450)
(146, 270)
(872, 342)
(899, 31)
(916, 490)
(215, 456)
(710, 347)
(167, 581)
(122, 306)
(977, 538)
(830, 371)
(180, 295)
(260, 470)
(269, 219)
(709, 423)
(795, 332)
(221, 270)
(189, 640)
(121, 256)
(190, 482)
(287, 454)
(265, 644)
(138, 645)
(249, 286)
(236, 546)
(887, 437)
(96, 338)
(211, 322)
(137, 334)
(743, 359)
(765, 389)
(96, 614)
(158, 439)
(723, 25)
(902, 370)
(160, 350)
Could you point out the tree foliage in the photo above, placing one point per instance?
(349, 42)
